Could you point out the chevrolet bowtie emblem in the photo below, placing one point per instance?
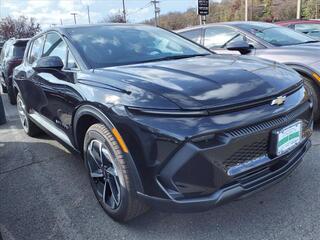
(279, 101)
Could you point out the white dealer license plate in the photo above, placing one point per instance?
(289, 137)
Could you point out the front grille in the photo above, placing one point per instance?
(270, 123)
(247, 153)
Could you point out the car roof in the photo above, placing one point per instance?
(18, 41)
(261, 25)
(63, 28)
(286, 23)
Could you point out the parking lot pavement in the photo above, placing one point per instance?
(45, 194)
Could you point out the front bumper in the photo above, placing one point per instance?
(244, 187)
(194, 163)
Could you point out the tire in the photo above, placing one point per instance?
(4, 88)
(113, 182)
(28, 126)
(314, 91)
(11, 95)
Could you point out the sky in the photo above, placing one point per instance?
(48, 12)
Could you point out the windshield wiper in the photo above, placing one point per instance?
(311, 41)
(176, 57)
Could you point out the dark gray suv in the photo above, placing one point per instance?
(11, 56)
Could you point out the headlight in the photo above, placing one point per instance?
(170, 113)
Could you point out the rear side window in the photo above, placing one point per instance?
(36, 50)
(18, 51)
(194, 35)
(55, 46)
(217, 37)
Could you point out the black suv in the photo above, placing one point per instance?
(159, 120)
(11, 56)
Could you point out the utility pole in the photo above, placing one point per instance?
(88, 13)
(156, 12)
(299, 9)
(124, 11)
(61, 23)
(317, 9)
(246, 11)
(74, 17)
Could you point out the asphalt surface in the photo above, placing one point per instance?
(45, 194)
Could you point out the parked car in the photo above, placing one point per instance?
(1, 44)
(10, 57)
(309, 27)
(268, 41)
(159, 120)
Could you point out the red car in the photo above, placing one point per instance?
(309, 27)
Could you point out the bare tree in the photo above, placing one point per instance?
(115, 18)
(21, 27)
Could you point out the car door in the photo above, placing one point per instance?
(26, 76)
(58, 86)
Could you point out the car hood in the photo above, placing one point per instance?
(303, 53)
(208, 82)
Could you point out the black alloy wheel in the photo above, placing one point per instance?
(112, 178)
(102, 170)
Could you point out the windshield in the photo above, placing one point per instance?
(280, 36)
(105, 46)
(313, 30)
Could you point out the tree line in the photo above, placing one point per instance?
(226, 10)
(234, 10)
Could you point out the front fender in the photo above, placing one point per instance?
(89, 110)
(307, 71)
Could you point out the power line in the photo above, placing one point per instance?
(140, 9)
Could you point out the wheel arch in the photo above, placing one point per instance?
(90, 115)
(306, 72)
(15, 88)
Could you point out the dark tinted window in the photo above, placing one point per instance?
(18, 51)
(55, 46)
(194, 35)
(36, 50)
(104, 46)
(216, 37)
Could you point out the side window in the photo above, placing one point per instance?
(36, 50)
(216, 37)
(71, 62)
(194, 35)
(250, 42)
(55, 46)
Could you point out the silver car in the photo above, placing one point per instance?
(268, 41)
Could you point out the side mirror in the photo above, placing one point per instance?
(50, 62)
(241, 46)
